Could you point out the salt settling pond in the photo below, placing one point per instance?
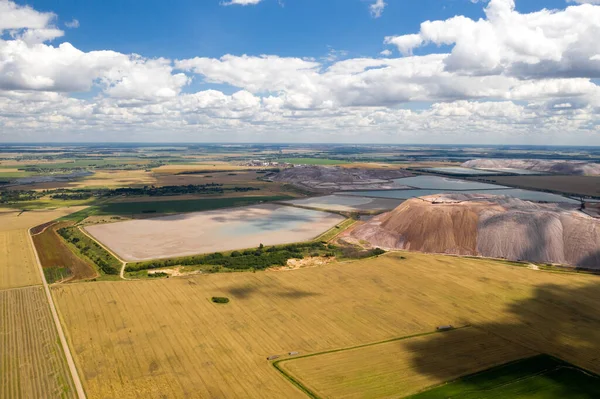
(527, 195)
(212, 231)
(432, 185)
(444, 183)
(347, 203)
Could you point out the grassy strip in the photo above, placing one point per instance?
(175, 206)
(335, 230)
(541, 376)
(312, 394)
(91, 250)
(56, 273)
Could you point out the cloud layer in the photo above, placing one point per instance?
(509, 77)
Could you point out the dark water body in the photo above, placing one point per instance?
(445, 183)
(51, 178)
(527, 195)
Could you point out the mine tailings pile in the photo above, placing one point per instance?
(490, 226)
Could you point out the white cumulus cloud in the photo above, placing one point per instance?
(240, 2)
(74, 23)
(509, 76)
(377, 8)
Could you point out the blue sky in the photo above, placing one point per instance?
(487, 71)
(307, 28)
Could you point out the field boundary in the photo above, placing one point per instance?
(560, 364)
(288, 376)
(123, 263)
(61, 334)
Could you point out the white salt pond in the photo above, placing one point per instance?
(347, 203)
(212, 231)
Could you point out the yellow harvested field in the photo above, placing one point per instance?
(31, 357)
(12, 219)
(384, 370)
(18, 267)
(157, 338)
(17, 260)
(116, 178)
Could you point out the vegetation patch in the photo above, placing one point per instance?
(56, 273)
(91, 250)
(383, 369)
(541, 376)
(58, 261)
(258, 258)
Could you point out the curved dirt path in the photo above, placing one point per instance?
(123, 263)
(61, 334)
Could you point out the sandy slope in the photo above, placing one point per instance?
(559, 167)
(492, 226)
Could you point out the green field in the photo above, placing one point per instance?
(176, 206)
(313, 161)
(539, 377)
(90, 163)
(14, 175)
(47, 203)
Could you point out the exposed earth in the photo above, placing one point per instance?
(547, 166)
(335, 178)
(490, 226)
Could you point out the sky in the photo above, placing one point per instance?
(331, 71)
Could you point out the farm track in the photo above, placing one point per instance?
(123, 263)
(61, 334)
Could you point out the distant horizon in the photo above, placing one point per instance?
(181, 143)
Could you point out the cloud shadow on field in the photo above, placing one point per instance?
(272, 290)
(557, 320)
(241, 292)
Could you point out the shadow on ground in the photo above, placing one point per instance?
(556, 320)
(245, 291)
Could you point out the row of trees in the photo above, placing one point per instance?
(258, 259)
(91, 250)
